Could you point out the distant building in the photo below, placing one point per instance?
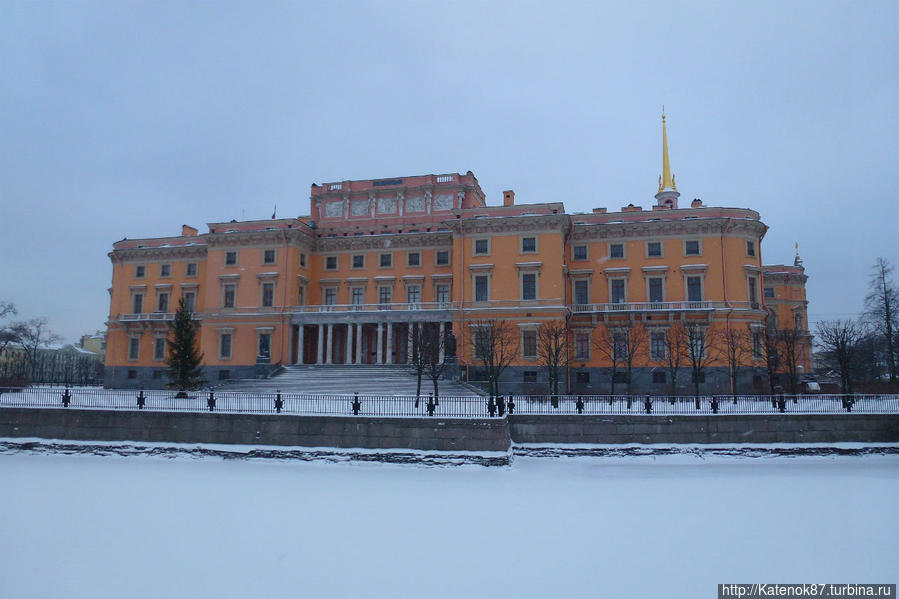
(95, 343)
(378, 259)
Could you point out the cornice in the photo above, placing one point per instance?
(673, 228)
(385, 242)
(294, 237)
(158, 253)
(509, 224)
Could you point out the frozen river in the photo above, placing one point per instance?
(131, 527)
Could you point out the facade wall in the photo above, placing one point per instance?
(519, 263)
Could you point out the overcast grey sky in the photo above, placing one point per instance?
(128, 119)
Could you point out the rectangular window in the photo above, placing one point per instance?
(190, 300)
(302, 259)
(582, 346)
(583, 378)
(413, 294)
(230, 258)
(769, 292)
(162, 302)
(385, 295)
(133, 348)
(698, 377)
(357, 297)
(157, 374)
(225, 346)
(529, 343)
(481, 344)
(265, 345)
(330, 296)
(529, 376)
(268, 257)
(697, 344)
(481, 288)
(619, 346)
(694, 289)
(528, 245)
(750, 248)
(657, 347)
(132, 374)
(159, 349)
(228, 293)
(442, 257)
(753, 291)
(137, 303)
(529, 286)
(655, 290)
(581, 292)
(618, 295)
(224, 375)
(413, 259)
(616, 250)
(481, 247)
(331, 263)
(386, 260)
(359, 261)
(442, 294)
(658, 377)
(190, 269)
(139, 271)
(301, 295)
(757, 346)
(579, 252)
(268, 295)
(165, 270)
(691, 247)
(654, 249)
(620, 376)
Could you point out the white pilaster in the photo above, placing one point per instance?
(390, 343)
(380, 350)
(358, 344)
(321, 339)
(330, 350)
(301, 333)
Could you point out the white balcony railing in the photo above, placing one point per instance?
(148, 316)
(700, 306)
(397, 307)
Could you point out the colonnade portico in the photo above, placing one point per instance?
(360, 342)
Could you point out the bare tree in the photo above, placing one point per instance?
(882, 310)
(621, 346)
(675, 352)
(839, 341)
(432, 347)
(609, 345)
(33, 336)
(735, 348)
(494, 343)
(699, 351)
(9, 333)
(789, 344)
(419, 361)
(552, 352)
(771, 351)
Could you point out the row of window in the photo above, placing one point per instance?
(653, 249)
(160, 345)
(385, 260)
(385, 294)
(165, 270)
(163, 301)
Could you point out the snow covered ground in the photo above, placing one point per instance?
(128, 527)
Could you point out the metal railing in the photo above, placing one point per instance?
(449, 406)
(399, 306)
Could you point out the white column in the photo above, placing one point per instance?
(348, 345)
(442, 324)
(390, 343)
(409, 344)
(358, 344)
(301, 330)
(321, 339)
(380, 339)
(330, 349)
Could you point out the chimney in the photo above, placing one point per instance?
(696, 203)
(599, 211)
(631, 208)
(188, 231)
(508, 198)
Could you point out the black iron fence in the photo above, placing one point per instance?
(449, 407)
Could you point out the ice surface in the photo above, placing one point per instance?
(82, 526)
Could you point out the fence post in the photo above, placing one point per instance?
(579, 404)
(141, 400)
(647, 404)
(357, 405)
(430, 404)
(211, 401)
(279, 403)
(511, 405)
(781, 404)
(66, 398)
(714, 404)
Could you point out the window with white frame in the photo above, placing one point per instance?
(357, 296)
(359, 261)
(582, 346)
(769, 292)
(165, 270)
(413, 294)
(190, 269)
(581, 291)
(231, 258)
(753, 283)
(529, 286)
(386, 261)
(694, 289)
(692, 247)
(137, 303)
(268, 295)
(133, 348)
(442, 294)
(162, 301)
(265, 345)
(330, 297)
(385, 294)
(442, 257)
(656, 289)
(330, 262)
(579, 252)
(481, 247)
(190, 300)
(159, 349)
(481, 288)
(617, 291)
(302, 259)
(301, 294)
(413, 259)
(229, 291)
(657, 346)
(225, 345)
(756, 345)
(268, 257)
(529, 343)
(616, 250)
(139, 271)
(654, 249)
(619, 345)
(528, 245)
(750, 248)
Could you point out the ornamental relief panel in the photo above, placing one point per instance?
(443, 201)
(386, 205)
(334, 209)
(359, 208)
(415, 204)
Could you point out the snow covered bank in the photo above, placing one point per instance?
(86, 526)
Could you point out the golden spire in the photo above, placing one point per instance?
(666, 181)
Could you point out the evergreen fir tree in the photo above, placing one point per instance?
(184, 356)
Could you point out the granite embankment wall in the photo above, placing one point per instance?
(440, 434)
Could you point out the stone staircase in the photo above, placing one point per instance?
(345, 380)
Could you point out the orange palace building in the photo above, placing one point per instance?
(376, 259)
